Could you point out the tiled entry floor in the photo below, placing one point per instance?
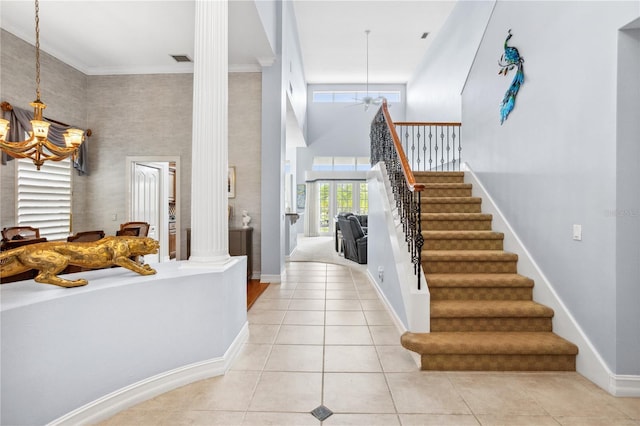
(322, 337)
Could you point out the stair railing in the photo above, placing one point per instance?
(431, 146)
(386, 147)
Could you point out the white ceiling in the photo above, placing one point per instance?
(333, 40)
(137, 36)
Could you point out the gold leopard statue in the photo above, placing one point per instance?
(51, 258)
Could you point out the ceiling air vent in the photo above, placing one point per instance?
(181, 58)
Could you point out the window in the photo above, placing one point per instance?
(344, 197)
(344, 163)
(322, 164)
(324, 208)
(363, 163)
(353, 96)
(44, 197)
(338, 197)
(364, 199)
(341, 164)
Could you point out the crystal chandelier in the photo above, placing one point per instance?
(37, 147)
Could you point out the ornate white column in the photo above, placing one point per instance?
(209, 217)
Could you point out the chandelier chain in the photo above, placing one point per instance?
(37, 50)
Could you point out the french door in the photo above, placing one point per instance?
(337, 197)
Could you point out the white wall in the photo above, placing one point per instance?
(268, 13)
(120, 340)
(434, 91)
(293, 68)
(553, 162)
(277, 81)
(627, 213)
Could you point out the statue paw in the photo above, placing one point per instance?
(77, 283)
(55, 280)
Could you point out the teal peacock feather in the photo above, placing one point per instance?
(509, 60)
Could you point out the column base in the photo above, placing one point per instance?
(207, 261)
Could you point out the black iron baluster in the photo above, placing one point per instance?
(448, 149)
(459, 147)
(430, 149)
(436, 149)
(442, 146)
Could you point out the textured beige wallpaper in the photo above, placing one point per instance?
(245, 127)
(132, 115)
(63, 89)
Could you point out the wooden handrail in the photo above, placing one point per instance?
(427, 123)
(408, 174)
(6, 106)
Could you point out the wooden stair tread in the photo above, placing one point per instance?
(468, 255)
(488, 342)
(420, 175)
(462, 235)
(447, 185)
(492, 309)
(426, 199)
(455, 216)
(478, 280)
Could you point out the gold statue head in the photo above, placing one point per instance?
(142, 245)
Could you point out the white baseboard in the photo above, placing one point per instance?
(273, 279)
(136, 393)
(394, 317)
(624, 385)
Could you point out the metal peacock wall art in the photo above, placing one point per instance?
(509, 60)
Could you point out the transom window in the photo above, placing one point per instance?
(340, 164)
(350, 96)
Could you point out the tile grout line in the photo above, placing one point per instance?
(255, 387)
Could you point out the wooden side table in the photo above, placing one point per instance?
(240, 244)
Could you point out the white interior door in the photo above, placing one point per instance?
(146, 190)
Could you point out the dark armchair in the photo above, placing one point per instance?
(354, 239)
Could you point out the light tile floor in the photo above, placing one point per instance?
(322, 337)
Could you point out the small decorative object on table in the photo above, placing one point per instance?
(245, 219)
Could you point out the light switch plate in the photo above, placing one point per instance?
(577, 232)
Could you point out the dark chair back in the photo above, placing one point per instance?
(345, 228)
(129, 232)
(356, 228)
(86, 236)
(20, 233)
(143, 228)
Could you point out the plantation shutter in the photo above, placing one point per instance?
(44, 197)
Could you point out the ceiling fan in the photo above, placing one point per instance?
(367, 100)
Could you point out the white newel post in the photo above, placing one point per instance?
(209, 220)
